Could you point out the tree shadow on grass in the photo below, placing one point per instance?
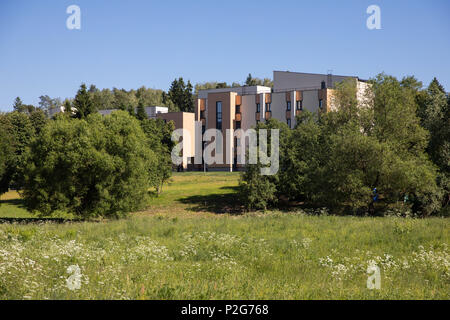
(219, 203)
(20, 203)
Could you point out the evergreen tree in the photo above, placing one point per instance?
(83, 103)
(140, 112)
(18, 105)
(181, 95)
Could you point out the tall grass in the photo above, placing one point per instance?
(179, 250)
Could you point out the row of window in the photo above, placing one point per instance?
(288, 106)
(258, 109)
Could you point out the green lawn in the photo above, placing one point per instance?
(187, 245)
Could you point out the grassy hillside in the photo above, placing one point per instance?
(185, 246)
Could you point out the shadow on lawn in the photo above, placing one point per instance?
(20, 203)
(217, 203)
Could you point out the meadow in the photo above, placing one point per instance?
(192, 243)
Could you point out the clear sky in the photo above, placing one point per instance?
(128, 44)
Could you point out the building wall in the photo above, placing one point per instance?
(285, 80)
(287, 86)
(228, 100)
(311, 100)
(185, 121)
(248, 110)
(278, 106)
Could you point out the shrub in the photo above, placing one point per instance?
(90, 168)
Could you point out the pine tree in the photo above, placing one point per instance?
(83, 103)
(181, 95)
(140, 112)
(18, 105)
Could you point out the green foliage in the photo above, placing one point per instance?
(250, 81)
(38, 120)
(159, 141)
(91, 167)
(6, 154)
(434, 112)
(83, 103)
(140, 112)
(20, 131)
(46, 103)
(258, 191)
(180, 94)
(19, 106)
(336, 159)
(210, 85)
(223, 256)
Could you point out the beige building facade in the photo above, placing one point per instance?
(244, 107)
(186, 122)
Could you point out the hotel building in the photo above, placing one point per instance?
(244, 107)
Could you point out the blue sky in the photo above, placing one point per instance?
(127, 44)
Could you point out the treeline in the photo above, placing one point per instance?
(388, 152)
(250, 81)
(83, 164)
(179, 97)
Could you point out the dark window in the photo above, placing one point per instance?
(323, 85)
(268, 107)
(202, 114)
(320, 104)
(219, 115)
(258, 107)
(203, 129)
(238, 109)
(289, 122)
(238, 124)
(300, 105)
(288, 107)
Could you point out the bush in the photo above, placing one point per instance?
(90, 168)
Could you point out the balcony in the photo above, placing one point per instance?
(238, 117)
(268, 115)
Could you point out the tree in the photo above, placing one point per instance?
(6, 154)
(337, 159)
(434, 112)
(38, 120)
(97, 166)
(140, 112)
(250, 81)
(159, 141)
(17, 106)
(83, 103)
(258, 191)
(19, 131)
(210, 85)
(181, 95)
(68, 109)
(46, 103)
